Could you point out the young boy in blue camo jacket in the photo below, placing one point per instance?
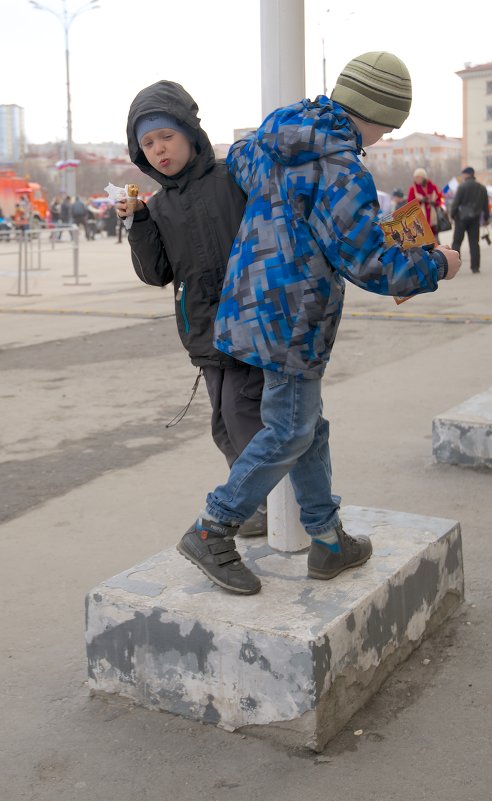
(311, 221)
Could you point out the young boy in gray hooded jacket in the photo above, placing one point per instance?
(184, 235)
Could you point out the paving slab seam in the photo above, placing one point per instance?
(413, 318)
(89, 313)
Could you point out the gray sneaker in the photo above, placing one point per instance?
(324, 562)
(256, 526)
(210, 546)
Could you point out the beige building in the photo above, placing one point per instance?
(392, 162)
(432, 151)
(477, 119)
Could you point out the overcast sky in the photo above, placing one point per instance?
(213, 49)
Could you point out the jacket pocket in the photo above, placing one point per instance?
(211, 284)
(274, 379)
(181, 301)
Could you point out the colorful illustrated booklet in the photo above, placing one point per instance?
(407, 227)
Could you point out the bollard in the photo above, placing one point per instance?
(285, 532)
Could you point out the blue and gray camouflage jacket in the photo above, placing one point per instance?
(311, 220)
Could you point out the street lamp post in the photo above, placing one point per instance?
(325, 88)
(328, 11)
(66, 17)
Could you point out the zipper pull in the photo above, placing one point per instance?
(179, 293)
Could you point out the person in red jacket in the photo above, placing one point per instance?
(428, 196)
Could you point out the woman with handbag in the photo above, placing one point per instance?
(428, 196)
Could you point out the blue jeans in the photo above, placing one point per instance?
(294, 441)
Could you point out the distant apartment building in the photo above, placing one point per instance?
(477, 119)
(392, 161)
(431, 151)
(12, 134)
(104, 150)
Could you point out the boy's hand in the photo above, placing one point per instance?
(453, 259)
(121, 209)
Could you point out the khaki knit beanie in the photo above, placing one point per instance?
(376, 87)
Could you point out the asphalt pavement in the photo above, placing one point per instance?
(92, 482)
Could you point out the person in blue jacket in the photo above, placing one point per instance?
(311, 221)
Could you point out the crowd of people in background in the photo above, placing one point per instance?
(465, 212)
(437, 206)
(89, 218)
(65, 213)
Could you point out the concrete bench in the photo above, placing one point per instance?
(298, 659)
(463, 435)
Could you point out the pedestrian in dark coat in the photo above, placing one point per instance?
(470, 207)
(79, 215)
(66, 210)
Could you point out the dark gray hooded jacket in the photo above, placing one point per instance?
(185, 233)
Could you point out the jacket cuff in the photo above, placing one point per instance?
(141, 214)
(442, 264)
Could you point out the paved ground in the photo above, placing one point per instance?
(92, 482)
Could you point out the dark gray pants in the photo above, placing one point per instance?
(235, 395)
(472, 229)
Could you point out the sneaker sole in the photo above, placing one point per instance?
(318, 574)
(215, 580)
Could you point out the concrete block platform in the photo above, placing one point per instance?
(463, 435)
(294, 662)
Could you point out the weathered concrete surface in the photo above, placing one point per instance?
(463, 434)
(164, 636)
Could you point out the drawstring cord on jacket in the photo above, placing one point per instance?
(177, 419)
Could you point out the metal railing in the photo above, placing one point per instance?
(31, 245)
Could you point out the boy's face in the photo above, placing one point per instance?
(167, 151)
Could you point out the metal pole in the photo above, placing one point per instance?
(66, 18)
(325, 89)
(22, 265)
(19, 276)
(24, 243)
(282, 53)
(285, 532)
(75, 248)
(71, 177)
(74, 233)
(283, 83)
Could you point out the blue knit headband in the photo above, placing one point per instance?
(152, 122)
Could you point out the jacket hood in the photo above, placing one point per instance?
(170, 98)
(306, 131)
